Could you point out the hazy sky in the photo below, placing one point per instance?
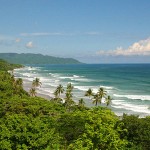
(93, 31)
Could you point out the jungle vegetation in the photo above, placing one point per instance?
(28, 122)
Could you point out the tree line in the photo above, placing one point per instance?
(95, 97)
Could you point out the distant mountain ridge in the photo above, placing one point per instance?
(30, 58)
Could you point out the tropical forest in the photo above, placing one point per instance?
(29, 122)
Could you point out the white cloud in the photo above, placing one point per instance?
(29, 45)
(41, 34)
(139, 48)
(36, 34)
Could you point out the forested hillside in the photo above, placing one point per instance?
(30, 58)
(33, 123)
(7, 66)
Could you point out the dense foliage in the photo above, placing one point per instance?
(36, 59)
(7, 66)
(33, 123)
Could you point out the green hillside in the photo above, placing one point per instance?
(29, 58)
(7, 66)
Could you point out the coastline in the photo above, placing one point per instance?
(51, 79)
(34, 113)
(27, 85)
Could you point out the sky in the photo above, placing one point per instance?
(92, 31)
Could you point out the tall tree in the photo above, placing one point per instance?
(96, 99)
(68, 96)
(36, 82)
(108, 100)
(69, 87)
(56, 94)
(32, 92)
(19, 82)
(13, 78)
(68, 100)
(81, 103)
(59, 90)
(89, 92)
(101, 92)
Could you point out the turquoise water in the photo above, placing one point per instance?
(128, 84)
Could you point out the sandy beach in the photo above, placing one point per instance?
(27, 86)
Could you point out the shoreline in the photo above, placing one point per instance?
(48, 95)
(27, 86)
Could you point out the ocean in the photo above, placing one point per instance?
(127, 84)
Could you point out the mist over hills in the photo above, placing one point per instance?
(30, 58)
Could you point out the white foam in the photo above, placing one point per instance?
(54, 75)
(52, 84)
(85, 88)
(81, 79)
(95, 90)
(66, 77)
(76, 76)
(44, 79)
(28, 79)
(32, 68)
(117, 102)
(27, 74)
(28, 68)
(135, 97)
(107, 87)
(121, 104)
(17, 69)
(51, 74)
(134, 108)
(82, 88)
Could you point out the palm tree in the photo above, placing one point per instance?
(96, 99)
(69, 95)
(108, 100)
(19, 82)
(69, 87)
(13, 78)
(68, 100)
(101, 92)
(89, 92)
(58, 91)
(36, 82)
(32, 92)
(81, 103)
(12, 71)
(17, 85)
